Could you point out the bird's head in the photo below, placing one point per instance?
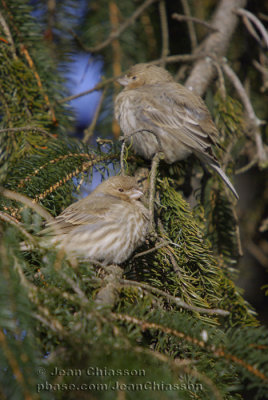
(124, 187)
(144, 74)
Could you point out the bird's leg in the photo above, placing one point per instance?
(155, 162)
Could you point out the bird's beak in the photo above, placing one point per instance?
(135, 194)
(124, 81)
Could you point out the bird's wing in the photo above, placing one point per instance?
(93, 210)
(177, 111)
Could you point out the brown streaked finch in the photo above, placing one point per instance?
(158, 115)
(107, 225)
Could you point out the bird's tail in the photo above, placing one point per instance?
(225, 178)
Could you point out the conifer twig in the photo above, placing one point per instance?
(11, 220)
(28, 202)
(176, 300)
(27, 128)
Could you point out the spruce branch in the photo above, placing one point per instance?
(217, 352)
(27, 202)
(176, 300)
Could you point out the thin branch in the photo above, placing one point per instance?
(169, 59)
(157, 247)
(28, 202)
(181, 17)
(164, 31)
(190, 24)
(254, 120)
(256, 21)
(8, 35)
(88, 132)
(115, 34)
(246, 167)
(99, 86)
(264, 72)
(176, 300)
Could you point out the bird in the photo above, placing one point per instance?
(158, 115)
(105, 226)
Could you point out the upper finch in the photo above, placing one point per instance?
(106, 226)
(157, 114)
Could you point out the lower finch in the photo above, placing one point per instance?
(156, 114)
(105, 226)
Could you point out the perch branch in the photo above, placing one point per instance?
(225, 21)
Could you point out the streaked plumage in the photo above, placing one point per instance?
(157, 114)
(106, 226)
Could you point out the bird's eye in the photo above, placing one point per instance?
(134, 78)
(121, 190)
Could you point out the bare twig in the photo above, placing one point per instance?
(28, 202)
(157, 247)
(164, 31)
(190, 24)
(263, 16)
(99, 86)
(256, 21)
(246, 167)
(176, 300)
(88, 132)
(264, 72)
(181, 17)
(8, 35)
(221, 79)
(254, 120)
(115, 34)
(169, 59)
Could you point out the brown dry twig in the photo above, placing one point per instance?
(255, 122)
(164, 31)
(88, 132)
(115, 34)
(248, 17)
(190, 24)
(181, 17)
